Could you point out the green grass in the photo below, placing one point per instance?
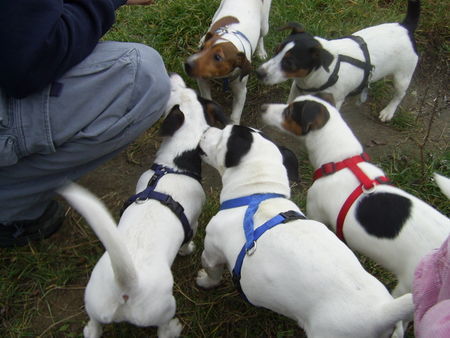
(41, 285)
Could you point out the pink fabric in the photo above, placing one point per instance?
(431, 294)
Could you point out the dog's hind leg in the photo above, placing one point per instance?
(213, 265)
(170, 330)
(260, 50)
(401, 83)
(93, 329)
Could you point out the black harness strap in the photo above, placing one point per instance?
(364, 65)
(167, 200)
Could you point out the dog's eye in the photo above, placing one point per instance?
(217, 57)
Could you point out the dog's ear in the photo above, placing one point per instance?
(321, 57)
(303, 116)
(214, 114)
(239, 144)
(244, 64)
(328, 97)
(290, 162)
(172, 122)
(296, 28)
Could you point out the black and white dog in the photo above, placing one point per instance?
(349, 193)
(132, 281)
(347, 65)
(297, 267)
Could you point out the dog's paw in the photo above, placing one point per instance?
(386, 115)
(187, 249)
(171, 329)
(93, 329)
(204, 281)
(261, 54)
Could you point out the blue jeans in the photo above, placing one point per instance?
(77, 123)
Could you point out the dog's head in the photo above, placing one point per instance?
(247, 159)
(305, 114)
(218, 55)
(296, 57)
(187, 116)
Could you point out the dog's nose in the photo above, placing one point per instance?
(188, 68)
(261, 74)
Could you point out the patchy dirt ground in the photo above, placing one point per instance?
(115, 180)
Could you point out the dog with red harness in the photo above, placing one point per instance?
(354, 197)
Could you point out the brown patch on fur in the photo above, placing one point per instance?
(223, 22)
(297, 73)
(290, 125)
(216, 60)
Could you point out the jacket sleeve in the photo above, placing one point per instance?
(41, 39)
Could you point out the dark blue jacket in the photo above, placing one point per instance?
(41, 39)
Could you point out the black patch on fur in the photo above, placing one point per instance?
(290, 162)
(307, 54)
(190, 161)
(172, 122)
(411, 21)
(214, 113)
(310, 115)
(383, 214)
(239, 144)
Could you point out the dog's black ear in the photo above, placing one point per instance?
(296, 28)
(239, 144)
(243, 63)
(214, 114)
(321, 57)
(306, 116)
(328, 97)
(290, 162)
(172, 122)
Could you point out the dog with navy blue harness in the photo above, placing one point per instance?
(280, 260)
(133, 281)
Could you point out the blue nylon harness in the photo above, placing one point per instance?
(167, 200)
(252, 235)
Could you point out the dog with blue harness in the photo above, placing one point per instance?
(279, 259)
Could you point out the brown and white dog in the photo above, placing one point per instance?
(381, 221)
(237, 31)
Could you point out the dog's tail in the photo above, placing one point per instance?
(104, 226)
(398, 310)
(443, 183)
(412, 15)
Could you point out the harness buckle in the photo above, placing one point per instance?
(365, 156)
(140, 200)
(250, 251)
(291, 215)
(328, 168)
(176, 207)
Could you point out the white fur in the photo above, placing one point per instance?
(299, 269)
(391, 53)
(424, 230)
(443, 183)
(132, 281)
(253, 16)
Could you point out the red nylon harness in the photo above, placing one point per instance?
(367, 184)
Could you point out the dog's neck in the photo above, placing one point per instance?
(183, 142)
(254, 178)
(332, 143)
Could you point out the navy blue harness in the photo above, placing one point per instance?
(252, 235)
(167, 200)
(365, 65)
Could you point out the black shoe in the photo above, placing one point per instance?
(18, 233)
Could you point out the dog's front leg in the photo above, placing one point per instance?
(204, 88)
(293, 93)
(239, 90)
(187, 249)
(213, 264)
